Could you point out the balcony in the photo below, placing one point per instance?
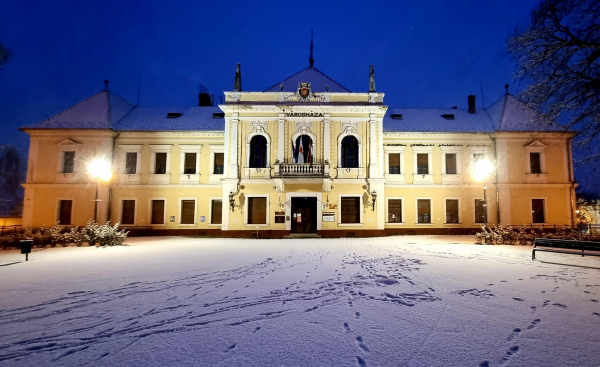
(302, 170)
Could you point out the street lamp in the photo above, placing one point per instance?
(99, 168)
(482, 169)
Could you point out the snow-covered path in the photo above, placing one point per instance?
(394, 301)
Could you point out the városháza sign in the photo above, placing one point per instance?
(304, 114)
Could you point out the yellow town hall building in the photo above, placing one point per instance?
(305, 157)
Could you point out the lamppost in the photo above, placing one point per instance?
(482, 169)
(99, 168)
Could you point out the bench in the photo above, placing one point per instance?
(565, 247)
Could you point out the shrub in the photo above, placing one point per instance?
(104, 235)
(525, 236)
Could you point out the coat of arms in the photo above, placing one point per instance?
(304, 91)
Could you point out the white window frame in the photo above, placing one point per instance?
(164, 212)
(536, 147)
(394, 150)
(423, 178)
(135, 212)
(487, 212)
(160, 178)
(339, 210)
(388, 198)
(68, 145)
(131, 148)
(184, 178)
(486, 155)
(246, 201)
(212, 177)
(345, 171)
(195, 213)
(430, 211)
(459, 211)
(451, 178)
(210, 201)
(57, 210)
(545, 210)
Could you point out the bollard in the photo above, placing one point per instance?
(26, 248)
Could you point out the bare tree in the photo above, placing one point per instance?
(559, 54)
(11, 192)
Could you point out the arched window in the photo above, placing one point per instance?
(303, 150)
(349, 152)
(258, 152)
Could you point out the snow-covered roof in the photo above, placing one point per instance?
(155, 119)
(314, 76)
(506, 114)
(99, 111)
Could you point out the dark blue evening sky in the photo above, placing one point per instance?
(426, 53)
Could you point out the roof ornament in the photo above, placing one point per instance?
(237, 83)
(372, 80)
(506, 87)
(281, 86)
(311, 60)
(106, 85)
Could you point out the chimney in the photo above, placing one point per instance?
(471, 99)
(237, 83)
(204, 98)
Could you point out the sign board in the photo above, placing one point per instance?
(279, 213)
(202, 218)
(328, 217)
(172, 218)
(332, 206)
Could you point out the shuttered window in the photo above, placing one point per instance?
(480, 211)
(537, 210)
(395, 211)
(64, 212)
(158, 212)
(130, 163)
(423, 211)
(128, 212)
(189, 164)
(219, 159)
(394, 166)
(257, 210)
(535, 162)
(188, 209)
(216, 211)
(423, 163)
(451, 211)
(160, 165)
(450, 164)
(350, 209)
(68, 162)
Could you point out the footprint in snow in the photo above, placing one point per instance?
(516, 332)
(484, 364)
(357, 315)
(257, 329)
(596, 313)
(361, 361)
(559, 305)
(512, 350)
(534, 324)
(361, 344)
(518, 299)
(230, 348)
(347, 327)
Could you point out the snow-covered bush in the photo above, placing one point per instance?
(74, 236)
(104, 235)
(525, 236)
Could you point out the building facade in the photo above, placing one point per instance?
(305, 157)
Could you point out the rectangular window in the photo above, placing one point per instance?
(257, 210)
(450, 163)
(451, 211)
(158, 212)
(68, 162)
(480, 211)
(64, 212)
(395, 211)
(534, 159)
(423, 211)
(537, 211)
(216, 211)
(219, 159)
(128, 212)
(350, 210)
(189, 164)
(160, 165)
(423, 163)
(130, 163)
(188, 211)
(477, 157)
(394, 166)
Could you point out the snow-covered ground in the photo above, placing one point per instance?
(394, 301)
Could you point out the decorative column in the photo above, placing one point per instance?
(373, 167)
(233, 152)
(326, 140)
(281, 139)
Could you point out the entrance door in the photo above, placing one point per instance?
(304, 215)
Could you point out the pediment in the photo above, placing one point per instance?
(68, 142)
(536, 144)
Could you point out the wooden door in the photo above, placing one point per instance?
(304, 215)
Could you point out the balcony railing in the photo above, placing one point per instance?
(302, 170)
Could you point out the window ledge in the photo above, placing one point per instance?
(187, 225)
(423, 224)
(350, 224)
(158, 225)
(453, 224)
(127, 225)
(254, 225)
(395, 224)
(214, 225)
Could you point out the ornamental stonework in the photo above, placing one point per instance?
(303, 127)
(349, 127)
(259, 126)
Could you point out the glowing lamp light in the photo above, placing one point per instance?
(100, 168)
(483, 168)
